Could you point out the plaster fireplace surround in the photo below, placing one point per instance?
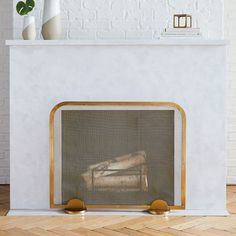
(190, 73)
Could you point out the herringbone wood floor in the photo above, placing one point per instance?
(123, 225)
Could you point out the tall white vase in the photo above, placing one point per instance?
(51, 29)
(29, 31)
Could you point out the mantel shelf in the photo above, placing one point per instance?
(161, 42)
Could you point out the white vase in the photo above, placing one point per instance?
(29, 31)
(51, 28)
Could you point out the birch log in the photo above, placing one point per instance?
(126, 173)
(105, 164)
(121, 183)
(113, 166)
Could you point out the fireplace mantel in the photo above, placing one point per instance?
(191, 73)
(161, 42)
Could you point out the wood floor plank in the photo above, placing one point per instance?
(63, 232)
(174, 222)
(233, 230)
(18, 222)
(189, 224)
(154, 232)
(131, 232)
(4, 233)
(198, 232)
(43, 222)
(4, 199)
(176, 232)
(232, 208)
(209, 222)
(114, 220)
(129, 221)
(40, 231)
(109, 232)
(80, 222)
(3, 212)
(19, 232)
(204, 223)
(220, 232)
(155, 220)
(56, 222)
(87, 232)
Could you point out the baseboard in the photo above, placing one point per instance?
(113, 213)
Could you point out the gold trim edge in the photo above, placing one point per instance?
(118, 103)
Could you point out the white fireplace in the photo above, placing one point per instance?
(190, 73)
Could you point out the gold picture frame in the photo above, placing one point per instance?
(118, 207)
(188, 22)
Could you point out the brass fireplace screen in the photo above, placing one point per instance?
(117, 155)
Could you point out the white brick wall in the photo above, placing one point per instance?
(6, 20)
(230, 33)
(128, 19)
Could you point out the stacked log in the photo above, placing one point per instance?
(121, 174)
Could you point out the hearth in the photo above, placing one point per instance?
(117, 155)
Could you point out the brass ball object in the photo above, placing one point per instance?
(159, 207)
(75, 206)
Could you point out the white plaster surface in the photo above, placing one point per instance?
(192, 76)
(118, 213)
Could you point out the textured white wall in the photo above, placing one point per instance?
(6, 20)
(230, 33)
(129, 19)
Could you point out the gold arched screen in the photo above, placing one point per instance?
(91, 142)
